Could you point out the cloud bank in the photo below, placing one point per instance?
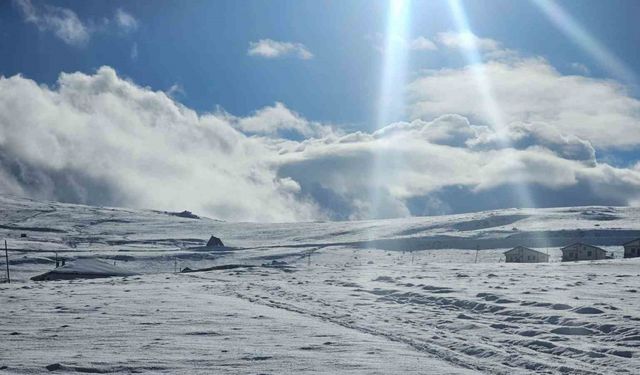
(104, 140)
(100, 139)
(531, 90)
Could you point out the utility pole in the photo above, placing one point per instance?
(6, 257)
(309, 252)
(477, 251)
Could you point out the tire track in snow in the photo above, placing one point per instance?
(463, 354)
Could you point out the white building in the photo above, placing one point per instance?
(521, 254)
(581, 251)
(632, 249)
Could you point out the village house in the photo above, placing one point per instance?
(632, 249)
(581, 251)
(521, 254)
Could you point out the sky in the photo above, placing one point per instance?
(310, 110)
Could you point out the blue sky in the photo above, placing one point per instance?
(202, 47)
(307, 110)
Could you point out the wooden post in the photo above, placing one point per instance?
(309, 258)
(6, 257)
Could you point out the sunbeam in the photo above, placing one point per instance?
(482, 81)
(391, 98)
(562, 20)
(472, 54)
(390, 101)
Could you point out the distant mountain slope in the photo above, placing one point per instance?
(59, 226)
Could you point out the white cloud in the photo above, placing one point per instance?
(449, 161)
(68, 27)
(467, 40)
(175, 90)
(422, 44)
(270, 49)
(530, 90)
(581, 68)
(419, 43)
(125, 21)
(64, 23)
(276, 119)
(101, 139)
(134, 51)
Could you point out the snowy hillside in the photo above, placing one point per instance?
(85, 231)
(389, 296)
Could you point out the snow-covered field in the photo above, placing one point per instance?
(387, 296)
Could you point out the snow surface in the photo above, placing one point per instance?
(389, 296)
(83, 269)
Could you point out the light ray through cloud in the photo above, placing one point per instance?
(474, 59)
(565, 22)
(390, 102)
(392, 85)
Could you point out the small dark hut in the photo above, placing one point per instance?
(215, 242)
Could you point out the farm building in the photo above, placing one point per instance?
(632, 249)
(581, 251)
(521, 254)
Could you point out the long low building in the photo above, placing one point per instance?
(582, 251)
(521, 254)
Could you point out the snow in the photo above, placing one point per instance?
(390, 296)
(83, 269)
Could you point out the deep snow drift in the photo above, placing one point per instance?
(390, 296)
